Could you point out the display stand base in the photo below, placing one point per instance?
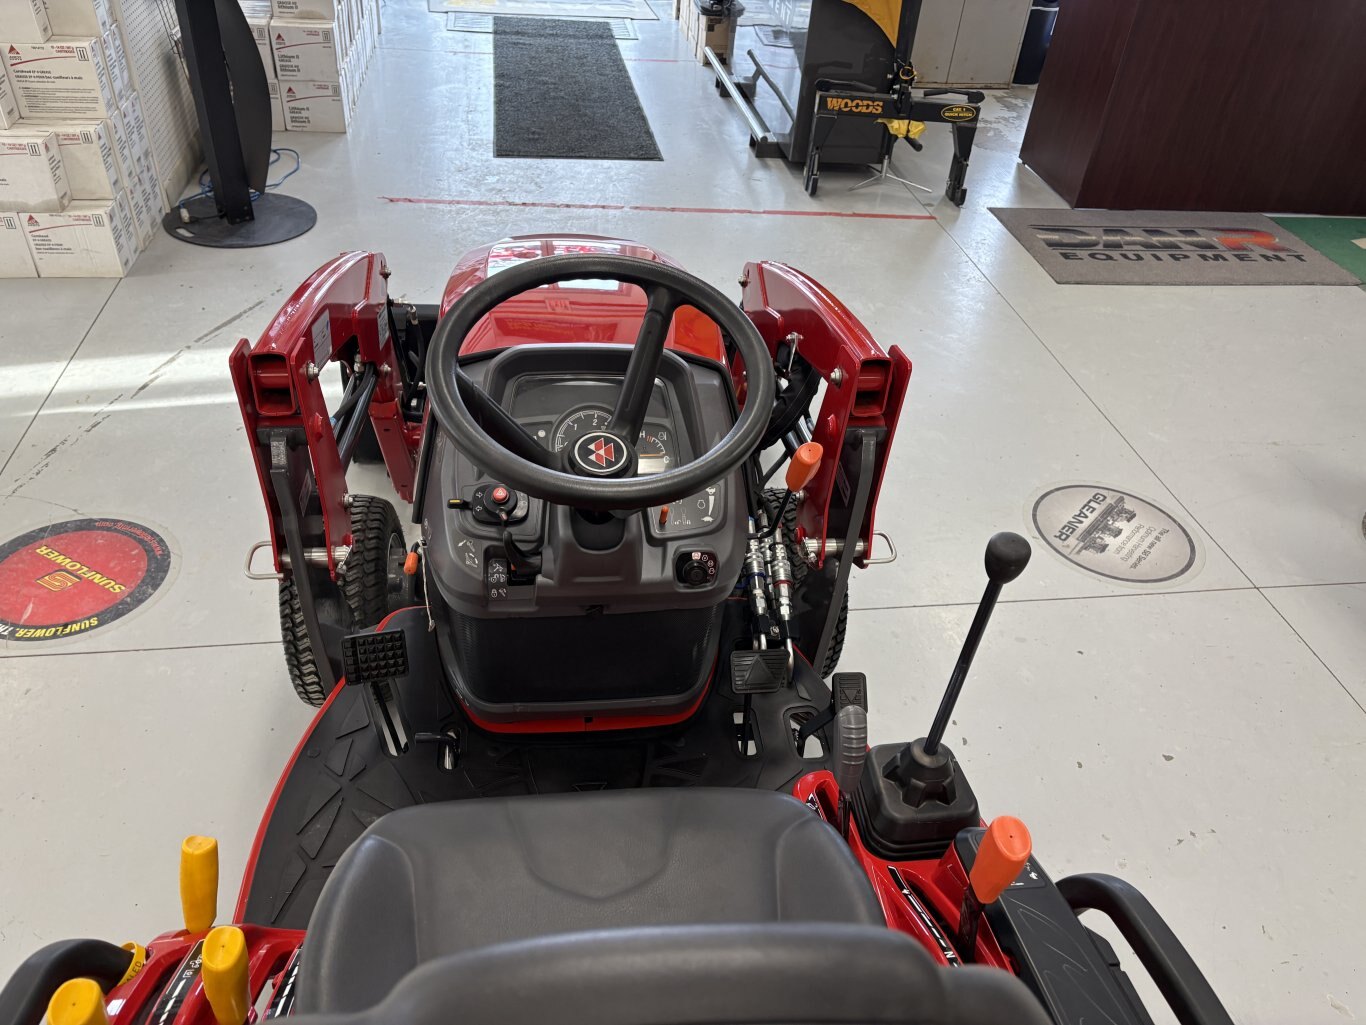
(278, 219)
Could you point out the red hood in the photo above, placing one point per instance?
(570, 311)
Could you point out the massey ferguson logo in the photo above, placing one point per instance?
(599, 453)
(604, 452)
(1211, 245)
(846, 105)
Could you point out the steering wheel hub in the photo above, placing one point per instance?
(601, 454)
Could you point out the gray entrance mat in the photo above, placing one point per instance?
(561, 89)
(459, 21)
(1146, 247)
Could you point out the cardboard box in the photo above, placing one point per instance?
(304, 10)
(257, 13)
(31, 173)
(116, 62)
(24, 21)
(92, 167)
(708, 31)
(62, 79)
(123, 148)
(89, 239)
(135, 127)
(9, 104)
(15, 259)
(314, 107)
(305, 51)
(277, 107)
(79, 17)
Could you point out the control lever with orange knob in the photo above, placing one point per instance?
(801, 471)
(1001, 857)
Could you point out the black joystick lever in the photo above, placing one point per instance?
(915, 795)
(1007, 557)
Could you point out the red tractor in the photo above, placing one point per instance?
(618, 637)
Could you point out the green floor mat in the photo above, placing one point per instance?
(1341, 239)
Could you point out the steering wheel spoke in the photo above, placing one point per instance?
(639, 383)
(500, 425)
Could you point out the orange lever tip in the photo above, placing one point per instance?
(410, 564)
(805, 462)
(1003, 853)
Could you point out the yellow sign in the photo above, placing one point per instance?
(846, 105)
(958, 112)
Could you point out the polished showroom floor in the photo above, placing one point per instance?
(1205, 739)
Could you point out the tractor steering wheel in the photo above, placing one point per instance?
(597, 471)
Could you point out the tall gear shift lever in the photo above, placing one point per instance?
(1007, 556)
(915, 798)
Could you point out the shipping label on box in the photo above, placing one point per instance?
(87, 240)
(32, 176)
(314, 107)
(305, 51)
(305, 10)
(24, 21)
(15, 259)
(61, 79)
(92, 168)
(79, 17)
(9, 105)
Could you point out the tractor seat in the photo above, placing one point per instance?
(437, 880)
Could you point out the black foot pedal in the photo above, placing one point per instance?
(374, 662)
(759, 672)
(375, 657)
(849, 689)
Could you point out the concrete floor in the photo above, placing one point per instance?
(1206, 741)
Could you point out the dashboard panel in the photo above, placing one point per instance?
(557, 408)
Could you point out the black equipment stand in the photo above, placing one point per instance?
(847, 122)
(233, 104)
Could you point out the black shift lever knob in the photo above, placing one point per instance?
(1007, 557)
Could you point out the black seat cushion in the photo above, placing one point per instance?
(434, 880)
(813, 973)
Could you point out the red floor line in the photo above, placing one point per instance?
(642, 208)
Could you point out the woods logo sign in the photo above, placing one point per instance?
(1165, 245)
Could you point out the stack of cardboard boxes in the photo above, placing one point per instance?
(319, 52)
(79, 195)
(705, 29)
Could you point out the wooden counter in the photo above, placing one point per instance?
(1205, 105)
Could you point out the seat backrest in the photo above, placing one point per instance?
(812, 973)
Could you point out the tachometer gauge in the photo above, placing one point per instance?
(577, 424)
(653, 449)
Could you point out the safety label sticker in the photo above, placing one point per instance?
(1115, 534)
(78, 575)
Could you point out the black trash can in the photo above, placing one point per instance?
(1034, 47)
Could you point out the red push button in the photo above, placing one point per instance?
(499, 495)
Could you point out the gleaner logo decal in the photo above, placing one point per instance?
(75, 576)
(599, 453)
(848, 105)
(1210, 245)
